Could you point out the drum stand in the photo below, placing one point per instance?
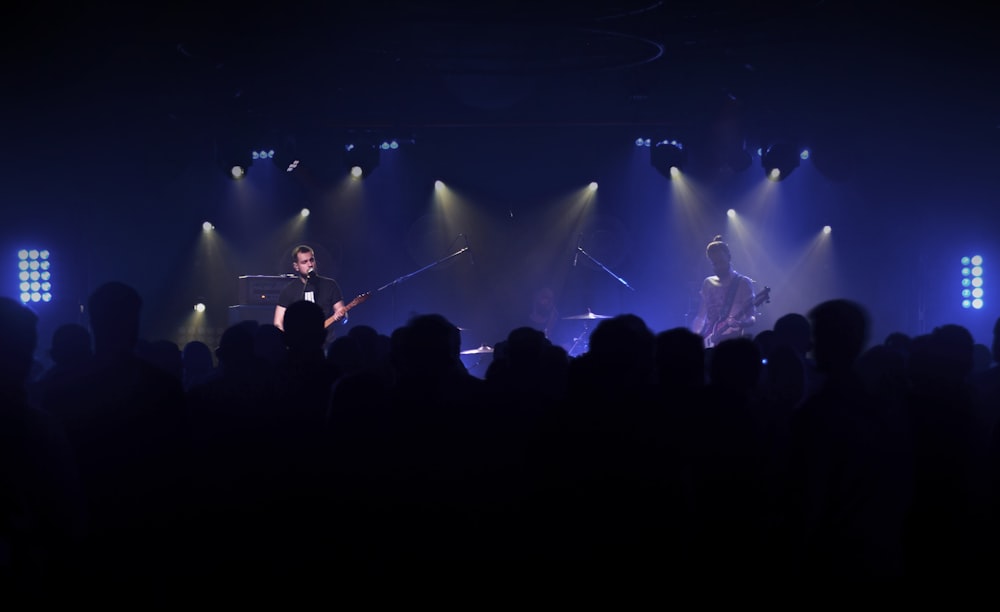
(478, 352)
(581, 343)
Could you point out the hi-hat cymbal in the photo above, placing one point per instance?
(588, 315)
(478, 351)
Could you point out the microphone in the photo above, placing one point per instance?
(576, 256)
(466, 239)
(311, 273)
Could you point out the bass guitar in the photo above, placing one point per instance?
(347, 307)
(715, 332)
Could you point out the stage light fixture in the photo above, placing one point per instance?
(235, 159)
(286, 158)
(34, 275)
(972, 282)
(361, 159)
(779, 160)
(668, 157)
(242, 142)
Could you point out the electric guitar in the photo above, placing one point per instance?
(714, 333)
(335, 318)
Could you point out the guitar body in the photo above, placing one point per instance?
(724, 329)
(721, 330)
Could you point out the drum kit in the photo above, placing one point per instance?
(483, 349)
(581, 342)
(588, 316)
(479, 353)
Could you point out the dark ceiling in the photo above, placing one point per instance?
(802, 66)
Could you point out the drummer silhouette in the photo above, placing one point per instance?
(544, 315)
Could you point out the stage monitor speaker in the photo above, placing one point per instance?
(246, 312)
(258, 289)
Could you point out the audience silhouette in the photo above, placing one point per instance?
(41, 508)
(125, 420)
(197, 363)
(805, 452)
(850, 468)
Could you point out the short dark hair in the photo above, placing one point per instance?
(302, 248)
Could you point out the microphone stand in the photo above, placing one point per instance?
(405, 277)
(604, 267)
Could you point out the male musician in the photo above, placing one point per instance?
(311, 287)
(727, 299)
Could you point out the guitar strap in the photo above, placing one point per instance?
(724, 311)
(730, 296)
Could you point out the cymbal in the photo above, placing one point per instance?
(478, 351)
(588, 316)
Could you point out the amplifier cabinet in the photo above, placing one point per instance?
(257, 289)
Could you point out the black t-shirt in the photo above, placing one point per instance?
(319, 289)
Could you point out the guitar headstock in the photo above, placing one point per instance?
(360, 298)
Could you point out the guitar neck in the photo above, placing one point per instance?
(753, 302)
(334, 318)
